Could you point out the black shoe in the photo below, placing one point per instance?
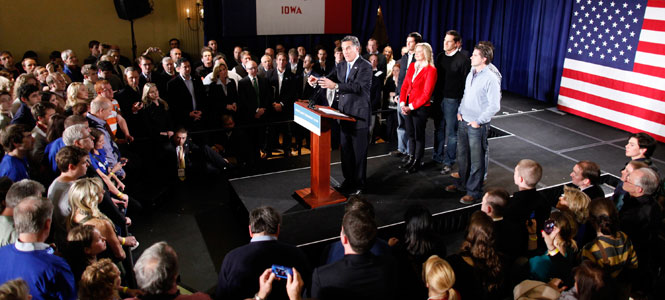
(344, 188)
(407, 164)
(414, 167)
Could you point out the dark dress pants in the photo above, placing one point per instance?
(354, 142)
(415, 124)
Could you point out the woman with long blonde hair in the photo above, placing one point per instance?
(155, 111)
(84, 197)
(414, 101)
(439, 278)
(77, 92)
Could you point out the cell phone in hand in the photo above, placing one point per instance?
(281, 271)
(531, 217)
(549, 226)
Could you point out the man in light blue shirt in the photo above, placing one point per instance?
(482, 98)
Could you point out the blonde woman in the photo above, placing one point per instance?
(416, 91)
(439, 279)
(577, 202)
(84, 197)
(221, 90)
(77, 92)
(156, 112)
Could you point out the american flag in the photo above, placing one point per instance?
(614, 70)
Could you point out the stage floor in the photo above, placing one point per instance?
(203, 220)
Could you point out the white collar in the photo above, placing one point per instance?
(28, 247)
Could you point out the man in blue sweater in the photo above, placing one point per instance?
(47, 275)
(482, 99)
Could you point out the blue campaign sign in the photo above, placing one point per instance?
(307, 119)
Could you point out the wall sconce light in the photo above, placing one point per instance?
(198, 14)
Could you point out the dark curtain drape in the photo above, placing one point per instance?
(529, 35)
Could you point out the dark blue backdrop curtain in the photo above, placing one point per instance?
(529, 35)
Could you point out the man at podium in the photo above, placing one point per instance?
(351, 80)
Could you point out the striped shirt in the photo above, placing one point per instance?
(619, 251)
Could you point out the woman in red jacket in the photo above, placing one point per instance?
(414, 102)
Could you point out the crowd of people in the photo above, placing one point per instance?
(78, 139)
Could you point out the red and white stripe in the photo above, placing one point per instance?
(632, 101)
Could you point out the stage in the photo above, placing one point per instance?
(205, 219)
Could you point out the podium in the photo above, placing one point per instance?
(317, 121)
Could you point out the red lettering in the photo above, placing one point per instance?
(291, 10)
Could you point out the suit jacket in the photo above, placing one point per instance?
(354, 98)
(287, 94)
(378, 77)
(299, 67)
(519, 209)
(180, 101)
(402, 71)
(303, 89)
(238, 276)
(126, 97)
(594, 192)
(329, 66)
(248, 104)
(356, 277)
(419, 90)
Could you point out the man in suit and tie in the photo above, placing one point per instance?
(352, 80)
(323, 66)
(295, 65)
(284, 84)
(145, 64)
(255, 95)
(186, 96)
(411, 40)
(360, 274)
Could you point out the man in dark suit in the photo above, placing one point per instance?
(284, 85)
(186, 96)
(255, 96)
(295, 65)
(245, 57)
(147, 74)
(378, 77)
(29, 95)
(411, 40)
(586, 176)
(129, 97)
(352, 80)
(360, 274)
(243, 265)
(323, 66)
(373, 48)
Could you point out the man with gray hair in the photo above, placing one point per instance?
(352, 81)
(47, 275)
(100, 109)
(156, 273)
(71, 65)
(241, 266)
(640, 218)
(17, 192)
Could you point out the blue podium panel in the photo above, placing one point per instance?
(307, 119)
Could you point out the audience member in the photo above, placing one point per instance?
(420, 242)
(77, 92)
(90, 77)
(439, 278)
(15, 289)
(361, 274)
(402, 145)
(508, 240)
(72, 162)
(187, 98)
(47, 275)
(562, 250)
(100, 281)
(17, 142)
(577, 203)
(84, 242)
(29, 95)
(155, 115)
(479, 272)
(527, 201)
(241, 266)
(71, 65)
(157, 272)
(619, 193)
(7, 62)
(612, 250)
(14, 195)
(6, 114)
(222, 92)
(586, 176)
(281, 108)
